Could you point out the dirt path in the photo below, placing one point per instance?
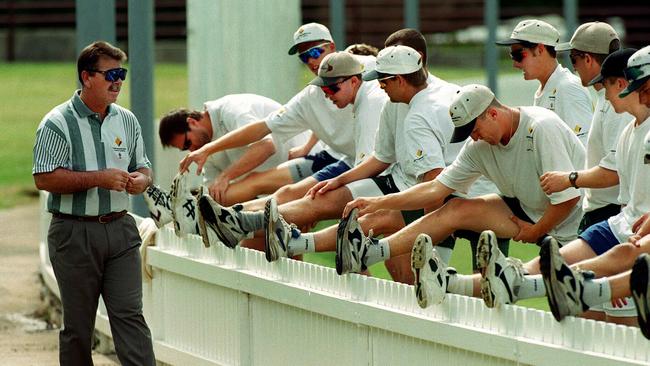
(23, 339)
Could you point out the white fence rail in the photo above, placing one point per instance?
(218, 306)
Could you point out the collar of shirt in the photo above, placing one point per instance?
(83, 110)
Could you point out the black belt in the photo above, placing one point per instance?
(102, 219)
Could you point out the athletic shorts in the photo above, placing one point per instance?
(598, 215)
(331, 171)
(302, 168)
(599, 237)
(373, 187)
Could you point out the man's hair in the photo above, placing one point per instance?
(89, 56)
(417, 78)
(362, 49)
(409, 37)
(550, 49)
(174, 123)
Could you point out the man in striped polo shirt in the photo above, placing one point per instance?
(89, 155)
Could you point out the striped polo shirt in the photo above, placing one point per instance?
(71, 136)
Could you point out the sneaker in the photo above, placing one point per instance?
(639, 283)
(159, 204)
(183, 206)
(224, 221)
(564, 285)
(351, 245)
(204, 231)
(430, 272)
(278, 232)
(501, 277)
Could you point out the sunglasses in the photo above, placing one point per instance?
(573, 56)
(636, 72)
(313, 52)
(112, 75)
(518, 55)
(334, 88)
(186, 143)
(382, 81)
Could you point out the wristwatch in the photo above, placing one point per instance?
(573, 176)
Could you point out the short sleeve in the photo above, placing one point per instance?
(51, 149)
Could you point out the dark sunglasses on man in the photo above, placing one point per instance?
(573, 56)
(518, 55)
(112, 75)
(313, 52)
(333, 88)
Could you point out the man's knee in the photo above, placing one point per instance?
(382, 222)
(623, 252)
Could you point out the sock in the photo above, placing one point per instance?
(596, 292)
(460, 284)
(378, 251)
(301, 243)
(251, 220)
(532, 286)
(445, 253)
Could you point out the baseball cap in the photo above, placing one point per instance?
(533, 31)
(613, 65)
(468, 103)
(309, 32)
(335, 66)
(395, 60)
(592, 37)
(637, 71)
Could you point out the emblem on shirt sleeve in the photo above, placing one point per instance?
(577, 129)
(419, 154)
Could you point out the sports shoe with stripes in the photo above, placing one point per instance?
(501, 277)
(224, 221)
(430, 272)
(183, 205)
(351, 245)
(564, 285)
(639, 285)
(159, 204)
(277, 233)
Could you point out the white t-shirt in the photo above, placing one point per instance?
(237, 110)
(366, 110)
(634, 175)
(606, 128)
(565, 95)
(416, 136)
(542, 143)
(311, 110)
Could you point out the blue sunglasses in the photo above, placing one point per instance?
(313, 52)
(112, 75)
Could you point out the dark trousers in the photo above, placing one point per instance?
(91, 259)
(598, 215)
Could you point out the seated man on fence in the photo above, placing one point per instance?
(512, 147)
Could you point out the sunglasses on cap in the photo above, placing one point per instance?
(518, 55)
(112, 75)
(573, 56)
(636, 72)
(333, 88)
(313, 52)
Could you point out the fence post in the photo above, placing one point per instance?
(412, 14)
(95, 21)
(491, 15)
(337, 22)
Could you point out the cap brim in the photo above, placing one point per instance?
(293, 50)
(462, 133)
(596, 80)
(507, 42)
(370, 75)
(566, 46)
(325, 81)
(636, 84)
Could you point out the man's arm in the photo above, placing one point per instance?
(242, 136)
(255, 155)
(300, 151)
(596, 177)
(65, 181)
(553, 215)
(139, 181)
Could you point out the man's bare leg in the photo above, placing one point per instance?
(284, 194)
(256, 184)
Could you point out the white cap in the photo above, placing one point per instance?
(395, 60)
(593, 37)
(468, 103)
(335, 66)
(637, 71)
(533, 31)
(308, 33)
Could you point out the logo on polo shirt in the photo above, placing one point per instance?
(118, 141)
(118, 149)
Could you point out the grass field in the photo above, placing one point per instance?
(32, 89)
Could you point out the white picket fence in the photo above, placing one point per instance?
(218, 306)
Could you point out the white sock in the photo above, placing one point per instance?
(532, 286)
(378, 251)
(460, 284)
(596, 291)
(445, 253)
(304, 243)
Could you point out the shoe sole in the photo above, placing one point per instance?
(208, 214)
(547, 265)
(203, 230)
(639, 288)
(270, 249)
(484, 260)
(341, 241)
(418, 260)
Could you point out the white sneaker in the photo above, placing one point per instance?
(639, 283)
(159, 204)
(501, 276)
(430, 272)
(564, 285)
(351, 245)
(278, 232)
(223, 220)
(183, 206)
